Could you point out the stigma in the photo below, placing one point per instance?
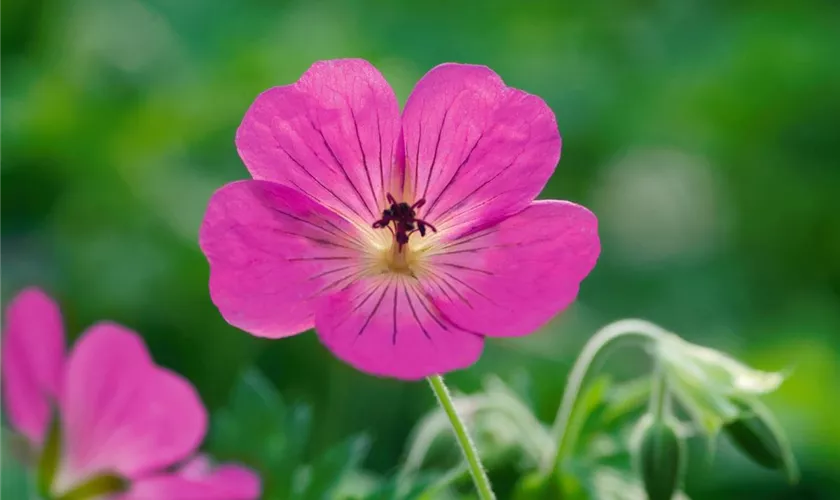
(401, 219)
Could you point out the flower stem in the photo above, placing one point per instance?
(482, 482)
(637, 328)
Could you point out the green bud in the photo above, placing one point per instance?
(756, 434)
(660, 457)
(751, 436)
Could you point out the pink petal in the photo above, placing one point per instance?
(331, 135)
(476, 149)
(272, 253)
(33, 359)
(385, 326)
(122, 413)
(511, 278)
(226, 482)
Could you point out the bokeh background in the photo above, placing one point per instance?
(703, 134)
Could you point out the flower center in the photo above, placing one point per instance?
(401, 219)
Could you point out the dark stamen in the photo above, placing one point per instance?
(404, 217)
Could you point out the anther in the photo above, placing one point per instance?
(404, 219)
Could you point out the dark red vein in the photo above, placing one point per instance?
(307, 172)
(471, 288)
(331, 271)
(341, 166)
(432, 315)
(463, 200)
(414, 313)
(435, 155)
(302, 259)
(457, 243)
(372, 312)
(319, 241)
(368, 296)
(465, 268)
(452, 287)
(381, 167)
(452, 179)
(417, 154)
(364, 156)
(394, 334)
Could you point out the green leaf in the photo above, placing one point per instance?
(250, 427)
(418, 487)
(15, 479)
(258, 429)
(620, 406)
(285, 469)
(538, 486)
(440, 486)
(256, 404)
(587, 404)
(297, 427)
(623, 400)
(326, 473)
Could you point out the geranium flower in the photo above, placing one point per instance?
(123, 421)
(403, 240)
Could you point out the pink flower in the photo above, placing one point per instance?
(119, 413)
(403, 240)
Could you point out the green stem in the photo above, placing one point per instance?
(658, 394)
(637, 328)
(482, 482)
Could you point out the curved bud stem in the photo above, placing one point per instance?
(623, 329)
(659, 394)
(482, 482)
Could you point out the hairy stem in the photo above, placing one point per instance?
(482, 482)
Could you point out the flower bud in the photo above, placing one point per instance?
(750, 435)
(757, 434)
(660, 457)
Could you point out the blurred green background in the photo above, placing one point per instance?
(703, 134)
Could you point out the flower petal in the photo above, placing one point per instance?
(225, 482)
(33, 359)
(122, 413)
(272, 253)
(511, 278)
(331, 135)
(475, 149)
(385, 326)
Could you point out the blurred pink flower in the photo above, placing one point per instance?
(403, 240)
(119, 412)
